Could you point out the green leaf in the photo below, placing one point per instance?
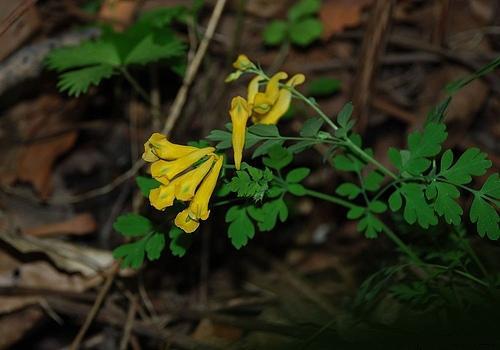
(132, 225)
(472, 162)
(417, 209)
(445, 203)
(377, 207)
(266, 130)
(304, 8)
(323, 86)
(179, 241)
(302, 146)
(250, 182)
(311, 127)
(491, 187)
(370, 225)
(279, 157)
(421, 146)
(89, 53)
(267, 215)
(266, 146)
(486, 217)
(275, 32)
(456, 85)
(355, 213)
(296, 189)
(297, 175)
(78, 81)
(146, 184)
(373, 181)
(305, 31)
(436, 114)
(347, 163)
(240, 228)
(131, 253)
(349, 190)
(155, 245)
(222, 137)
(395, 201)
(150, 50)
(345, 114)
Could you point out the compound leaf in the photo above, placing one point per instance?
(132, 225)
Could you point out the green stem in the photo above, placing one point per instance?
(462, 273)
(404, 248)
(347, 141)
(330, 198)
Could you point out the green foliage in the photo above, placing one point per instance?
(146, 184)
(421, 146)
(251, 182)
(416, 208)
(472, 162)
(302, 27)
(150, 39)
(132, 225)
(266, 216)
(323, 86)
(311, 127)
(457, 85)
(241, 228)
(482, 212)
(278, 157)
(179, 241)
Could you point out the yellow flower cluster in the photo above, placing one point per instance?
(264, 107)
(175, 166)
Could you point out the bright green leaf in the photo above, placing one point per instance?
(445, 203)
(275, 32)
(155, 245)
(305, 31)
(395, 200)
(349, 190)
(304, 8)
(377, 207)
(373, 181)
(297, 175)
(296, 189)
(132, 254)
(240, 228)
(78, 81)
(146, 184)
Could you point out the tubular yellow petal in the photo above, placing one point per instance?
(170, 169)
(262, 104)
(199, 205)
(297, 79)
(185, 222)
(243, 63)
(279, 109)
(273, 86)
(185, 185)
(159, 147)
(239, 115)
(162, 197)
(253, 88)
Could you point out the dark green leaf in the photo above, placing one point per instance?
(78, 81)
(132, 254)
(240, 228)
(486, 217)
(445, 203)
(345, 114)
(373, 181)
(296, 189)
(417, 209)
(472, 162)
(311, 127)
(222, 137)
(301, 146)
(278, 157)
(323, 86)
(377, 207)
(395, 200)
(266, 146)
(155, 245)
(491, 187)
(264, 130)
(131, 225)
(146, 184)
(355, 213)
(179, 241)
(370, 225)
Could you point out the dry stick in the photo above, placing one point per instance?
(181, 97)
(95, 309)
(128, 324)
(372, 47)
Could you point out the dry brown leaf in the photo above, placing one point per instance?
(337, 15)
(119, 12)
(215, 333)
(80, 224)
(33, 135)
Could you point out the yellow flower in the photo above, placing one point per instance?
(182, 187)
(165, 171)
(280, 98)
(159, 147)
(239, 115)
(189, 219)
(242, 63)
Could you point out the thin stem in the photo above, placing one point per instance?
(462, 273)
(137, 87)
(330, 198)
(404, 248)
(348, 141)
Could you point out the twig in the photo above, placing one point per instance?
(128, 324)
(95, 309)
(193, 67)
(372, 47)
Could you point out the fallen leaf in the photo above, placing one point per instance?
(120, 13)
(337, 15)
(80, 224)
